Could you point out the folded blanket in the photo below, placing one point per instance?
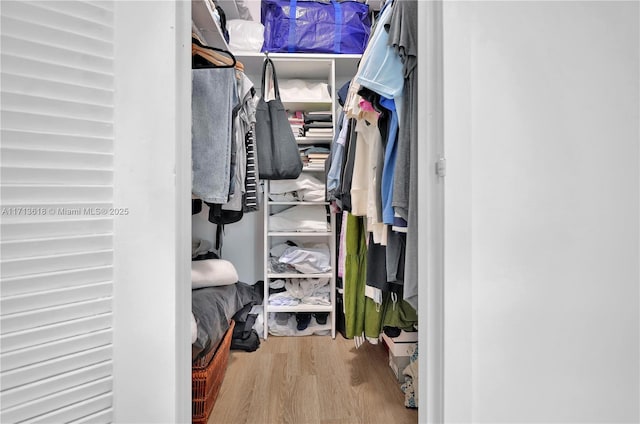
(308, 260)
(213, 307)
(283, 299)
(300, 218)
(296, 89)
(307, 187)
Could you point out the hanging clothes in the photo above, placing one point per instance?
(389, 161)
(373, 135)
(361, 176)
(251, 197)
(397, 312)
(395, 258)
(243, 117)
(337, 157)
(212, 102)
(363, 317)
(378, 179)
(380, 69)
(343, 193)
(403, 30)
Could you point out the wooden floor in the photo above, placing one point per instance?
(315, 379)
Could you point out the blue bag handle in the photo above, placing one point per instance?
(337, 35)
(292, 25)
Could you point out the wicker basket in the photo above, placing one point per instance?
(203, 361)
(206, 381)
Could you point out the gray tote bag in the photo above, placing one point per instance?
(276, 146)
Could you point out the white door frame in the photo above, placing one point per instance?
(183, 209)
(152, 172)
(431, 215)
(431, 201)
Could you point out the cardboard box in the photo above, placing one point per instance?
(399, 354)
(406, 337)
(397, 365)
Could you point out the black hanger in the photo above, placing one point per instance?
(199, 62)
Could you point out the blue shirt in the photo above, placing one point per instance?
(390, 153)
(335, 170)
(381, 68)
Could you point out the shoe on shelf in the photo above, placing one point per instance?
(282, 318)
(321, 317)
(303, 319)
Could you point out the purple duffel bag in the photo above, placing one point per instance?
(328, 26)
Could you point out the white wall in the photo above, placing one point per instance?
(255, 8)
(231, 12)
(242, 242)
(542, 212)
(152, 294)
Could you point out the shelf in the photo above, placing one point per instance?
(311, 65)
(312, 169)
(307, 105)
(296, 275)
(298, 203)
(202, 17)
(325, 103)
(298, 234)
(297, 56)
(299, 308)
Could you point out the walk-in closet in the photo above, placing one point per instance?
(320, 245)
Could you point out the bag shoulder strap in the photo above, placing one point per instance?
(269, 62)
(219, 236)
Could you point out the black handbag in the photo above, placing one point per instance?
(278, 154)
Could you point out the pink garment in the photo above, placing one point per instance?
(366, 106)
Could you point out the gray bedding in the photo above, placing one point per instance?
(213, 307)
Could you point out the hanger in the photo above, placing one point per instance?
(212, 57)
(216, 58)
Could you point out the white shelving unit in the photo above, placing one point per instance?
(313, 68)
(275, 237)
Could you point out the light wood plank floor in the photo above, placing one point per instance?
(315, 380)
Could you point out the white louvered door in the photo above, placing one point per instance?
(57, 230)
